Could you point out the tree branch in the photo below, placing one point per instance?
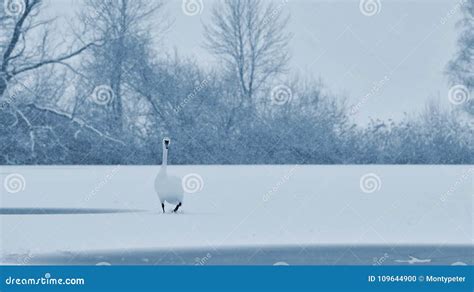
(53, 61)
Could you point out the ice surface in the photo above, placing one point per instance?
(80, 208)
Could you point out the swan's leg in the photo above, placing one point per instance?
(163, 207)
(177, 207)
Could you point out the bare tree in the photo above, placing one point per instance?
(29, 48)
(461, 68)
(123, 28)
(21, 50)
(249, 35)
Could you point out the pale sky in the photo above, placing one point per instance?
(397, 55)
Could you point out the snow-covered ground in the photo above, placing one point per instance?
(70, 209)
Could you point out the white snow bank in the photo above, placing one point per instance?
(237, 205)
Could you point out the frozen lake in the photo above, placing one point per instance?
(260, 255)
(238, 215)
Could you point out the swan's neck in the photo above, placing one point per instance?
(164, 162)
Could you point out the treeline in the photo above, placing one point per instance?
(110, 96)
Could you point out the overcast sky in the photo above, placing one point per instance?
(398, 55)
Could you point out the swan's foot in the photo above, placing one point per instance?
(177, 207)
(163, 207)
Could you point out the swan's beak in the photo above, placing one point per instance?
(167, 143)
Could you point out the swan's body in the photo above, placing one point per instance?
(168, 187)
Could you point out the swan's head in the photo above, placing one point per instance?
(166, 143)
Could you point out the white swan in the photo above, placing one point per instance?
(167, 187)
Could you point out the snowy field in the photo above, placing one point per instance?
(239, 215)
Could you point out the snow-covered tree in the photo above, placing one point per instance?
(461, 67)
(250, 37)
(123, 29)
(21, 50)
